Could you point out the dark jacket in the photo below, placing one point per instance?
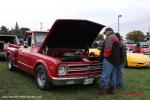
(111, 50)
(123, 53)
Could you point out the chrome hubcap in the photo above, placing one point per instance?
(9, 62)
(41, 78)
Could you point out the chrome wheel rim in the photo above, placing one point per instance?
(41, 78)
(9, 63)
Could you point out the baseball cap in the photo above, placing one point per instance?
(108, 29)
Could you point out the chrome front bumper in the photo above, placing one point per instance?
(74, 80)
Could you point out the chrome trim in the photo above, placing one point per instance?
(24, 64)
(87, 68)
(82, 69)
(84, 64)
(92, 69)
(71, 80)
(74, 78)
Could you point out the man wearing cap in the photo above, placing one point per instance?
(110, 57)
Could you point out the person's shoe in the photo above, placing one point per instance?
(112, 90)
(102, 91)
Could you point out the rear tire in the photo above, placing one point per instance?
(10, 63)
(42, 80)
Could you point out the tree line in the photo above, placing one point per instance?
(14, 31)
(136, 35)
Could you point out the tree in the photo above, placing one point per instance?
(19, 31)
(12, 31)
(16, 30)
(23, 30)
(147, 36)
(100, 37)
(136, 36)
(4, 30)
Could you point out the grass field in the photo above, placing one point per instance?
(20, 86)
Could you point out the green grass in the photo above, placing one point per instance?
(18, 83)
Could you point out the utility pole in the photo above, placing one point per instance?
(119, 23)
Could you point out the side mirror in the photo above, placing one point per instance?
(21, 41)
(25, 45)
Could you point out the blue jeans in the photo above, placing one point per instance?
(119, 75)
(108, 75)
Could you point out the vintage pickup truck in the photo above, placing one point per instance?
(5, 40)
(60, 56)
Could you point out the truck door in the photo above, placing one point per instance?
(25, 54)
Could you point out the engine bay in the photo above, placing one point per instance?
(70, 55)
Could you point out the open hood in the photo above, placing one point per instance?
(74, 34)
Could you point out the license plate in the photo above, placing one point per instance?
(88, 81)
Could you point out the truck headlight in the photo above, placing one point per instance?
(62, 70)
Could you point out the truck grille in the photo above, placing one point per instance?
(84, 68)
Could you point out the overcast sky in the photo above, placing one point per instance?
(30, 13)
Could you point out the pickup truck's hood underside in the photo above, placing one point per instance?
(75, 34)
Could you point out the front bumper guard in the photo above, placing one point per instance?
(74, 80)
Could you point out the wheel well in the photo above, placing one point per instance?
(36, 67)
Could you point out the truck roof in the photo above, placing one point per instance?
(7, 35)
(36, 31)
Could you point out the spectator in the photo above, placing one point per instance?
(123, 60)
(110, 57)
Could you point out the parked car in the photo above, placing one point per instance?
(137, 60)
(131, 47)
(145, 48)
(140, 47)
(5, 40)
(95, 49)
(60, 56)
(94, 52)
(133, 59)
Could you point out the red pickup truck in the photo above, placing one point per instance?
(60, 56)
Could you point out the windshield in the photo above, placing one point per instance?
(40, 37)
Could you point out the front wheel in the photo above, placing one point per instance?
(10, 63)
(41, 77)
